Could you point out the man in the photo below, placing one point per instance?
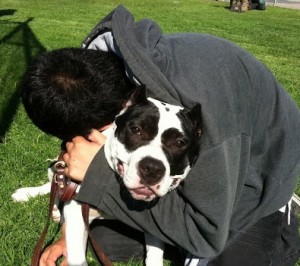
(233, 208)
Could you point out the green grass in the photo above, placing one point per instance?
(272, 36)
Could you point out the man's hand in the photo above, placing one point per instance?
(55, 251)
(80, 152)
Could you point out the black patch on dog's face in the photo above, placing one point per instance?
(182, 149)
(138, 125)
(175, 146)
(191, 122)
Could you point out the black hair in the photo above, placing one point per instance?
(67, 92)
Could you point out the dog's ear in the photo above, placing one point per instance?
(139, 95)
(195, 115)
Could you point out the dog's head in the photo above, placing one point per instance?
(153, 145)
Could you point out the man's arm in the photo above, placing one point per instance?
(199, 212)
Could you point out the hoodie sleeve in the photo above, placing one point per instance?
(195, 217)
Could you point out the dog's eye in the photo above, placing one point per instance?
(135, 130)
(180, 143)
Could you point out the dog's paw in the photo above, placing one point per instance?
(22, 194)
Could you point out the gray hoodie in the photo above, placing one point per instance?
(250, 149)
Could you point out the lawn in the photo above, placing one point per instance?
(29, 27)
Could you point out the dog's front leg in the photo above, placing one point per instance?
(154, 251)
(23, 194)
(76, 234)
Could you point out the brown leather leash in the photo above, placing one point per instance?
(39, 246)
(65, 189)
(85, 208)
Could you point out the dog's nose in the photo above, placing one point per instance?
(151, 171)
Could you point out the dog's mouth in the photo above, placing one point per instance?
(175, 183)
(120, 168)
(143, 191)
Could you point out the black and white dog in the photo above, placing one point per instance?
(152, 146)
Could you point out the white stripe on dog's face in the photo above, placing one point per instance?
(149, 149)
(168, 119)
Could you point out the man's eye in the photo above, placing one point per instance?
(135, 130)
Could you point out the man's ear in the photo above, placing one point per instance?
(139, 95)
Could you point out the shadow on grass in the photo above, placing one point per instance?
(7, 12)
(18, 47)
